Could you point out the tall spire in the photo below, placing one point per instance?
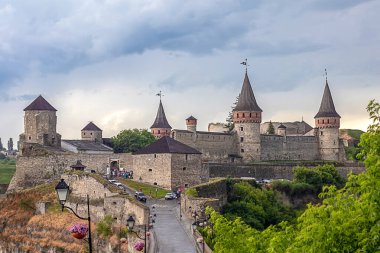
(247, 101)
(161, 121)
(327, 108)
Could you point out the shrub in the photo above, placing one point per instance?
(191, 192)
(103, 228)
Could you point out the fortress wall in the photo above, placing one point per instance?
(214, 146)
(274, 147)
(187, 172)
(266, 171)
(35, 170)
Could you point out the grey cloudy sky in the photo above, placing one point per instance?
(104, 61)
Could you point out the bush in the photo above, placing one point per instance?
(191, 192)
(103, 228)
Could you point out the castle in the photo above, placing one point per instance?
(248, 141)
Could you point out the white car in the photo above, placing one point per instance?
(112, 181)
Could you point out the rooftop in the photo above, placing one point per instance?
(40, 104)
(167, 145)
(86, 145)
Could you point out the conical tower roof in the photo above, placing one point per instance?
(91, 127)
(161, 121)
(327, 108)
(247, 101)
(40, 104)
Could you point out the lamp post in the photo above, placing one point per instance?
(62, 190)
(131, 224)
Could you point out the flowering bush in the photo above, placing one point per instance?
(139, 246)
(79, 228)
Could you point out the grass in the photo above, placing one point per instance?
(7, 169)
(147, 189)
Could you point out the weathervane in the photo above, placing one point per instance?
(159, 94)
(245, 63)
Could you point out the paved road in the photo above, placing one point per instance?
(171, 236)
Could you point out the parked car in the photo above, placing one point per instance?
(170, 195)
(112, 181)
(120, 185)
(140, 196)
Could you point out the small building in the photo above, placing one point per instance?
(169, 164)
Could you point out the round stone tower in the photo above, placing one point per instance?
(247, 119)
(281, 130)
(327, 121)
(40, 124)
(160, 125)
(191, 124)
(92, 132)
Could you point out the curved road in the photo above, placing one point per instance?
(170, 235)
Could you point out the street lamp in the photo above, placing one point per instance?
(131, 224)
(62, 190)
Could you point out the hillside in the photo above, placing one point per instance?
(350, 136)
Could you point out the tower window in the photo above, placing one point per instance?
(323, 121)
(328, 121)
(241, 128)
(150, 170)
(237, 115)
(155, 155)
(30, 138)
(158, 131)
(241, 139)
(84, 133)
(318, 121)
(90, 133)
(250, 115)
(186, 157)
(243, 115)
(184, 168)
(242, 150)
(321, 132)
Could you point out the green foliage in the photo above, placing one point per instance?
(352, 152)
(149, 190)
(257, 207)
(104, 227)
(348, 220)
(132, 140)
(192, 192)
(7, 169)
(26, 204)
(270, 129)
(319, 176)
(294, 189)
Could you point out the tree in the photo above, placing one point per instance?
(270, 129)
(10, 144)
(1, 145)
(230, 118)
(132, 140)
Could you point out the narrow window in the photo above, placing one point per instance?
(237, 115)
(30, 138)
(242, 150)
(323, 121)
(321, 132)
(335, 121)
(150, 170)
(256, 114)
(84, 133)
(155, 183)
(241, 139)
(250, 115)
(328, 121)
(184, 168)
(186, 185)
(318, 121)
(158, 131)
(243, 115)
(155, 155)
(241, 128)
(186, 157)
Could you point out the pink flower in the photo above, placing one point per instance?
(79, 228)
(139, 246)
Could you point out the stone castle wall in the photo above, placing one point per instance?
(214, 146)
(248, 135)
(187, 170)
(329, 143)
(266, 171)
(275, 147)
(35, 170)
(103, 201)
(40, 127)
(153, 169)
